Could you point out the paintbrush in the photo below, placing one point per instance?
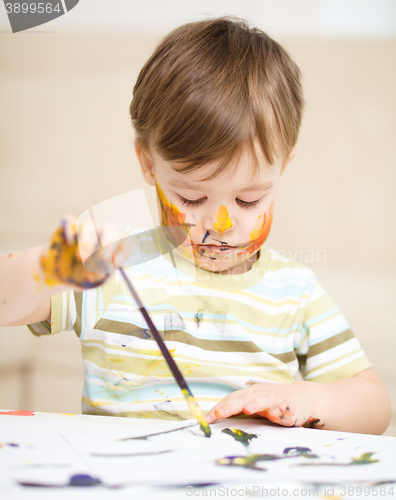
(192, 403)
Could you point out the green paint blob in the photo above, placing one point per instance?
(239, 435)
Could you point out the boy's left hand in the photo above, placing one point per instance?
(284, 404)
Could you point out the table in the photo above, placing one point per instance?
(56, 456)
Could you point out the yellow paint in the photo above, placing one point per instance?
(116, 360)
(261, 230)
(196, 411)
(223, 220)
(171, 216)
(255, 234)
(155, 353)
(151, 367)
(61, 263)
(223, 461)
(237, 431)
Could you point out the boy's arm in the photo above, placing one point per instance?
(357, 404)
(29, 279)
(24, 296)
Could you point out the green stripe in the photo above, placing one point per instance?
(77, 324)
(328, 344)
(178, 336)
(348, 370)
(157, 367)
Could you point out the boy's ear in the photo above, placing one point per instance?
(292, 154)
(146, 164)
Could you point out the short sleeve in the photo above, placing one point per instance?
(326, 348)
(63, 315)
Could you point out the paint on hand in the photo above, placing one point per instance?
(223, 220)
(196, 411)
(312, 423)
(62, 264)
(261, 231)
(239, 435)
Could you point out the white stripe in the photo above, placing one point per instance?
(337, 352)
(64, 312)
(334, 366)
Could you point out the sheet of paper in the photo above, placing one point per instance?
(47, 450)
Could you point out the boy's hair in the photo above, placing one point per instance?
(211, 88)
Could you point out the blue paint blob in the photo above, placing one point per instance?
(148, 335)
(206, 235)
(83, 480)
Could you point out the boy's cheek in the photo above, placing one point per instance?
(260, 230)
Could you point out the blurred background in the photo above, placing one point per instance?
(66, 144)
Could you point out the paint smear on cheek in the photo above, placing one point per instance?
(170, 214)
(261, 230)
(172, 217)
(223, 220)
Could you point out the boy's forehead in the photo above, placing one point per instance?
(244, 171)
(245, 175)
(186, 182)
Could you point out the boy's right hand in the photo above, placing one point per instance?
(62, 262)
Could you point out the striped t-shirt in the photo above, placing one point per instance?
(224, 332)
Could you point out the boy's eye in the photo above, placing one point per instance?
(196, 203)
(191, 203)
(248, 204)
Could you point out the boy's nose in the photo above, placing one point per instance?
(222, 222)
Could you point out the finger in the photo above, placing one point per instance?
(227, 408)
(283, 414)
(210, 417)
(68, 223)
(287, 407)
(266, 402)
(219, 409)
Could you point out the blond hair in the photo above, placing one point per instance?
(211, 88)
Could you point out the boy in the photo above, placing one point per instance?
(216, 111)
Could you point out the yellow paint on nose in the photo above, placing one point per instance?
(223, 220)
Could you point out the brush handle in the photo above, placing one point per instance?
(168, 358)
(192, 404)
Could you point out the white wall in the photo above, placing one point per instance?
(297, 18)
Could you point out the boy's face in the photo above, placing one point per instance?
(228, 217)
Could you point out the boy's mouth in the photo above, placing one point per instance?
(217, 249)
